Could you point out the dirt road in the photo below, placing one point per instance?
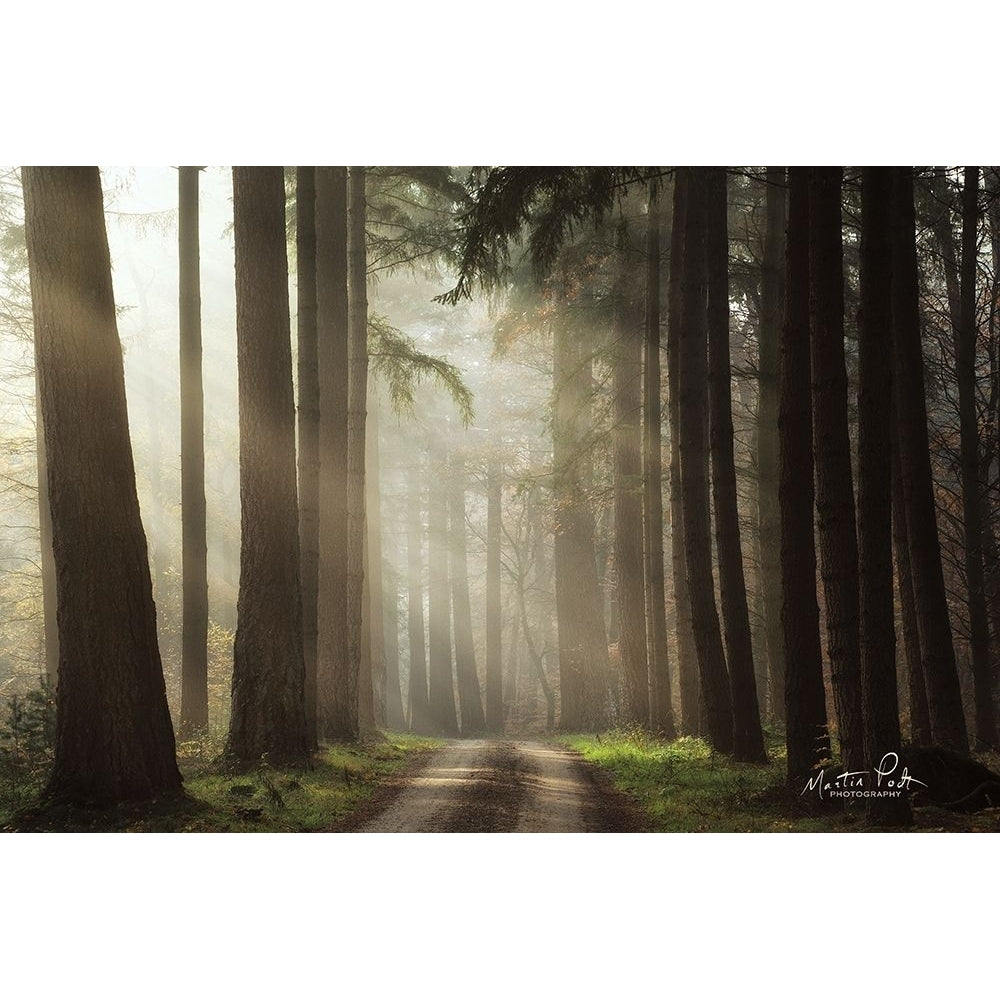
(494, 786)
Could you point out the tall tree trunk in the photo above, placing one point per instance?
(114, 739)
(46, 556)
(944, 696)
(442, 683)
(337, 678)
(769, 518)
(661, 715)
(878, 654)
(395, 716)
(748, 739)
(972, 495)
(838, 543)
(583, 650)
(268, 702)
(807, 736)
(920, 720)
(308, 440)
(494, 622)
(510, 686)
(687, 658)
(694, 478)
(470, 698)
(375, 601)
(357, 401)
(627, 460)
(420, 714)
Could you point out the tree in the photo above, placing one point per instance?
(807, 737)
(494, 621)
(748, 739)
(838, 545)
(940, 674)
(114, 738)
(268, 701)
(878, 661)
(420, 713)
(693, 401)
(308, 424)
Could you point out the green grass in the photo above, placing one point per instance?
(268, 799)
(683, 787)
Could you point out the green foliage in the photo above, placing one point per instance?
(27, 741)
(397, 361)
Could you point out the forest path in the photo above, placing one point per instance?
(498, 786)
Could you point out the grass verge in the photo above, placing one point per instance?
(269, 799)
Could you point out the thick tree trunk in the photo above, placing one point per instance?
(337, 678)
(944, 696)
(357, 404)
(268, 704)
(878, 655)
(50, 626)
(972, 495)
(494, 622)
(807, 736)
(627, 462)
(694, 471)
(583, 650)
(687, 658)
(768, 512)
(661, 715)
(420, 715)
(442, 682)
(470, 698)
(838, 545)
(308, 423)
(748, 739)
(114, 739)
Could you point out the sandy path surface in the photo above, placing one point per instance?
(493, 786)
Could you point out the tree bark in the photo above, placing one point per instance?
(838, 542)
(268, 700)
(768, 514)
(944, 697)
(807, 736)
(47, 561)
(114, 739)
(470, 698)
(748, 739)
(694, 471)
(494, 622)
(878, 655)
(308, 424)
(375, 599)
(420, 715)
(687, 658)
(337, 679)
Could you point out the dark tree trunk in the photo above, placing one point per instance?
(769, 518)
(337, 678)
(807, 736)
(357, 404)
(46, 556)
(308, 441)
(972, 496)
(627, 459)
(687, 658)
(268, 702)
(920, 720)
(375, 596)
(470, 698)
(442, 682)
(420, 715)
(944, 696)
(494, 623)
(583, 650)
(878, 654)
(748, 739)
(694, 470)
(114, 739)
(661, 715)
(838, 545)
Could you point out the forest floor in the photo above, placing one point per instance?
(681, 786)
(339, 779)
